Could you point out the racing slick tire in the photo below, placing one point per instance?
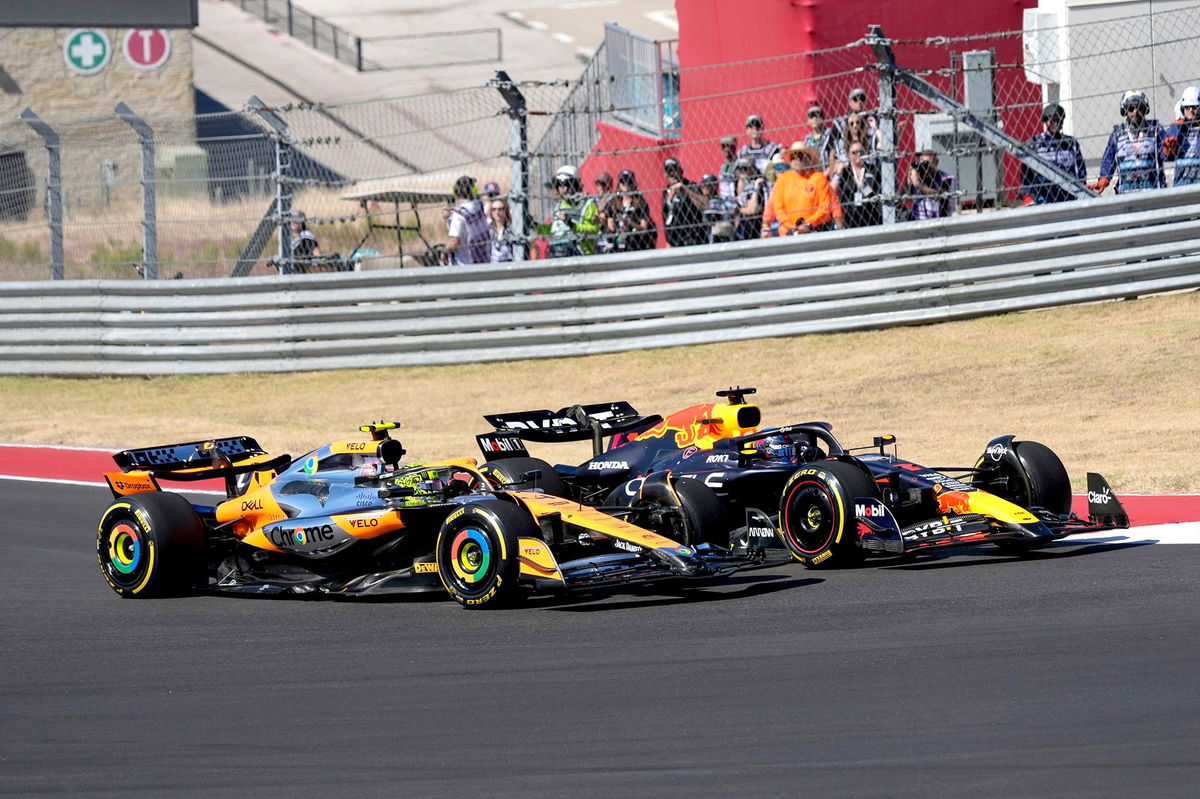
(816, 513)
(507, 472)
(681, 509)
(151, 544)
(1036, 477)
(662, 506)
(477, 553)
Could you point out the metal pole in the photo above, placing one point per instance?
(358, 52)
(518, 151)
(283, 179)
(887, 121)
(149, 200)
(53, 189)
(998, 138)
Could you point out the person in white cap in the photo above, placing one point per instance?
(1182, 142)
(1134, 154)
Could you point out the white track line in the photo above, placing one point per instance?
(1181, 533)
(59, 481)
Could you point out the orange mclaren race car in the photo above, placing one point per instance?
(831, 506)
(348, 519)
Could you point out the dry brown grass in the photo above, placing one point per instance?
(197, 238)
(1111, 387)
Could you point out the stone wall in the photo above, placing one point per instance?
(101, 155)
(33, 59)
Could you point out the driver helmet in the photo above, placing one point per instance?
(778, 448)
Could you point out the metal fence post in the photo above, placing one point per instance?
(53, 189)
(887, 120)
(518, 152)
(283, 179)
(149, 200)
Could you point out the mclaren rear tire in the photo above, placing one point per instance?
(816, 514)
(151, 545)
(478, 558)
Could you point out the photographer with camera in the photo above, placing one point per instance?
(752, 191)
(934, 190)
(629, 224)
(720, 213)
(682, 208)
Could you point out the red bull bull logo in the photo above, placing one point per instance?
(954, 502)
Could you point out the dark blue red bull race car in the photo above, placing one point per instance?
(828, 505)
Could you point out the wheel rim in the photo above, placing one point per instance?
(124, 554)
(471, 557)
(811, 518)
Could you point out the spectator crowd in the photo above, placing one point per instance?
(830, 179)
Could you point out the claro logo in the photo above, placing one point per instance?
(298, 536)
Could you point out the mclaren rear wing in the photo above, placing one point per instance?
(197, 460)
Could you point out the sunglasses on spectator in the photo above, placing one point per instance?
(816, 115)
(858, 97)
(856, 151)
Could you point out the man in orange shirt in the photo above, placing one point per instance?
(802, 201)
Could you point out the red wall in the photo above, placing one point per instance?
(715, 100)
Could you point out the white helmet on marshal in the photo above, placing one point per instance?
(568, 175)
(1190, 98)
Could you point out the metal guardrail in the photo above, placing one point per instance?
(318, 33)
(921, 272)
(373, 53)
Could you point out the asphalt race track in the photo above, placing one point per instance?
(1073, 673)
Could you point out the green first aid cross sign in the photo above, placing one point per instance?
(87, 51)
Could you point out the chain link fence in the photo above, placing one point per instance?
(373, 178)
